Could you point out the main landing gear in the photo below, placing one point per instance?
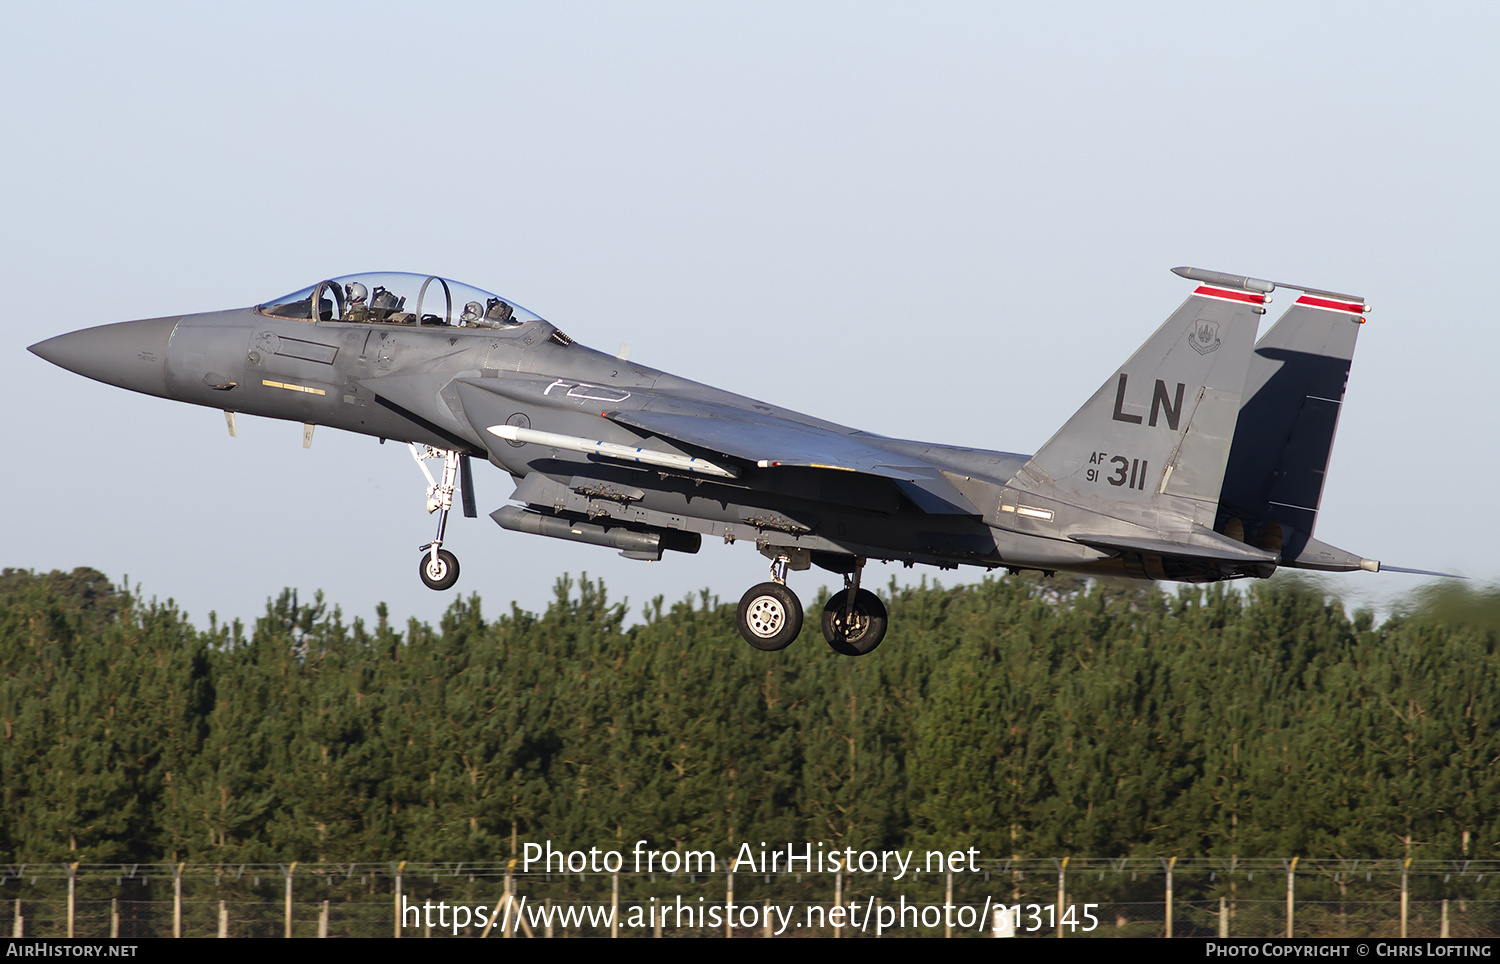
(854, 619)
(439, 569)
(770, 615)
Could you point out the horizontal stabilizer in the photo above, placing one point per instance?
(1204, 545)
(1319, 556)
(1305, 552)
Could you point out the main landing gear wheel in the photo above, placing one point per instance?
(441, 572)
(854, 631)
(770, 616)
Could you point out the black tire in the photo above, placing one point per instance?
(769, 617)
(864, 632)
(441, 574)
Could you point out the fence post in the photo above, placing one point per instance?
(289, 871)
(223, 919)
(18, 929)
(1171, 862)
(1062, 892)
(114, 918)
(1291, 873)
(72, 881)
(177, 901)
(838, 897)
(1444, 930)
(399, 868)
(1405, 894)
(729, 902)
(614, 903)
(947, 906)
(507, 931)
(323, 920)
(1223, 916)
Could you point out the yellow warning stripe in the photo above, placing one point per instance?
(292, 388)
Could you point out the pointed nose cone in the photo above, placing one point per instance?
(132, 354)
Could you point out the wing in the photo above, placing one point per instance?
(764, 439)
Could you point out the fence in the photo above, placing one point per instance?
(1128, 897)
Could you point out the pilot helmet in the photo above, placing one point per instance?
(356, 293)
(472, 312)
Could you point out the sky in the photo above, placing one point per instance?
(944, 221)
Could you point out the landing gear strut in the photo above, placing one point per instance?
(854, 619)
(439, 569)
(770, 614)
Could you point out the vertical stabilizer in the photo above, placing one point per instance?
(1294, 392)
(1157, 433)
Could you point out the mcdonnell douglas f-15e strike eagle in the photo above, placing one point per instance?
(1201, 458)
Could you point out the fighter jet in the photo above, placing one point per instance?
(1201, 458)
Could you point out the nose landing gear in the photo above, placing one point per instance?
(439, 569)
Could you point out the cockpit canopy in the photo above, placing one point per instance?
(399, 298)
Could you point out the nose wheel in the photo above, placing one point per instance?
(439, 570)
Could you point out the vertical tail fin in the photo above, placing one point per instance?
(1294, 392)
(1158, 432)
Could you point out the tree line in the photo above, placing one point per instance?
(1021, 716)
